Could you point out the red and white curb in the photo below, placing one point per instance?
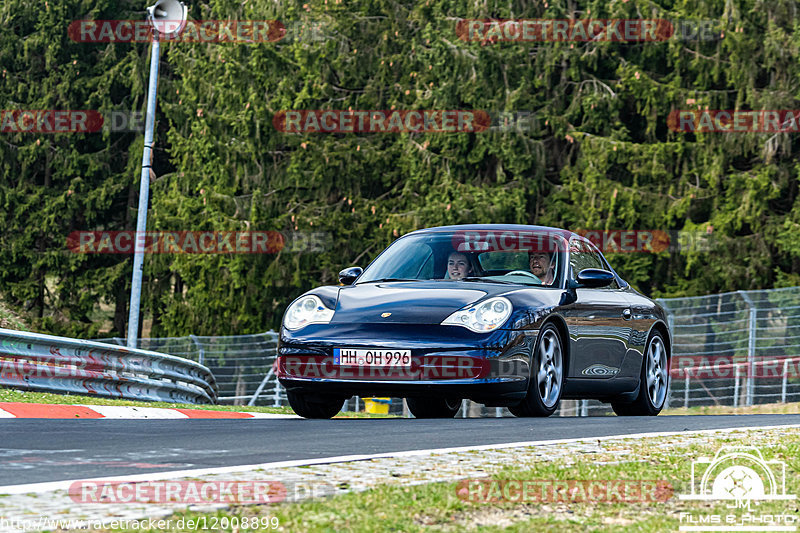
(46, 410)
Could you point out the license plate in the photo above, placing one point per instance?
(371, 357)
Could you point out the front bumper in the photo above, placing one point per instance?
(446, 361)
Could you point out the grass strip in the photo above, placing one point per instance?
(437, 506)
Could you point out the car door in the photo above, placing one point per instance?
(598, 321)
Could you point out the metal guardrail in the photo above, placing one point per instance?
(46, 363)
(241, 364)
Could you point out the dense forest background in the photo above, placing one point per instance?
(596, 153)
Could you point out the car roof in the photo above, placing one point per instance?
(497, 227)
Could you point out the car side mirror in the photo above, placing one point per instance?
(593, 278)
(349, 275)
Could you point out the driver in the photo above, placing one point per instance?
(458, 266)
(541, 264)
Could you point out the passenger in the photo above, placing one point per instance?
(542, 266)
(458, 266)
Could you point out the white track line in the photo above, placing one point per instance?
(158, 476)
(133, 413)
(267, 415)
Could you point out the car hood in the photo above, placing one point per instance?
(409, 302)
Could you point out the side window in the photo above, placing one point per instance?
(584, 255)
(603, 263)
(580, 257)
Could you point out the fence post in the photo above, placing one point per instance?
(686, 389)
(751, 347)
(277, 397)
(200, 350)
(671, 327)
(785, 380)
(736, 385)
(261, 387)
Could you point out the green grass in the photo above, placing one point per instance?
(763, 409)
(13, 395)
(436, 506)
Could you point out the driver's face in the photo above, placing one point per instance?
(457, 266)
(539, 264)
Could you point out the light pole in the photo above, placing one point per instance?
(168, 18)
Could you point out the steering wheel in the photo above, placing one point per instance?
(523, 273)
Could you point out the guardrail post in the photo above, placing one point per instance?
(200, 350)
(751, 347)
(785, 380)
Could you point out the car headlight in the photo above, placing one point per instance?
(481, 318)
(307, 310)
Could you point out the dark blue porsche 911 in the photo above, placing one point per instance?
(504, 315)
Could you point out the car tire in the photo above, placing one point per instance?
(313, 406)
(546, 382)
(429, 407)
(653, 381)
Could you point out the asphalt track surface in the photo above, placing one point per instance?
(38, 450)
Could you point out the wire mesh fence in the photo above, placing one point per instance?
(733, 349)
(737, 348)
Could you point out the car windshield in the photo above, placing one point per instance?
(522, 257)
